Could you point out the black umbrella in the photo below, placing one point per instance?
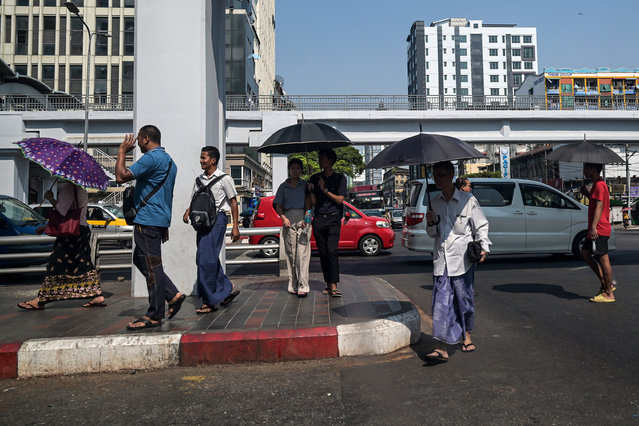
(423, 148)
(304, 137)
(585, 152)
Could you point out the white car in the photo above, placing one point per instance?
(524, 216)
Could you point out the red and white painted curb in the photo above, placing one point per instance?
(99, 354)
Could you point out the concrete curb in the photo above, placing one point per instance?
(143, 351)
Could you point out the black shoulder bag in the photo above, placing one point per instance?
(130, 209)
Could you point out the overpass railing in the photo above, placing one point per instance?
(427, 103)
(55, 102)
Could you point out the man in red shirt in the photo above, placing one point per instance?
(595, 250)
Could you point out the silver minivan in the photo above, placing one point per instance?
(525, 216)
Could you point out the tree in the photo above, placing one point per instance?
(349, 161)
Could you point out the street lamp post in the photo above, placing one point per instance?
(74, 10)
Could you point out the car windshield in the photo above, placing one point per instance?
(115, 210)
(398, 213)
(19, 213)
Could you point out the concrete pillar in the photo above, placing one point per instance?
(179, 87)
(15, 180)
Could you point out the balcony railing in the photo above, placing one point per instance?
(53, 102)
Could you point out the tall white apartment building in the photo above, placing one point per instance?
(458, 56)
(42, 39)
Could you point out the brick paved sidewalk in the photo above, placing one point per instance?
(263, 304)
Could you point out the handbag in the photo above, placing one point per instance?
(474, 251)
(129, 207)
(67, 225)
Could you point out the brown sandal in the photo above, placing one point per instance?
(205, 309)
(30, 307)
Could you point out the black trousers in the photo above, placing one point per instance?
(147, 257)
(326, 231)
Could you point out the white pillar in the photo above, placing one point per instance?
(179, 87)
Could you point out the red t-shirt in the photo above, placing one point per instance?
(600, 192)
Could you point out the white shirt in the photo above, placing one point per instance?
(461, 218)
(223, 190)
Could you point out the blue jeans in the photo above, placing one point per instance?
(213, 285)
(147, 257)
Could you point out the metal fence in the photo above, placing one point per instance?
(55, 102)
(99, 252)
(427, 103)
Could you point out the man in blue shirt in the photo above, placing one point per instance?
(152, 220)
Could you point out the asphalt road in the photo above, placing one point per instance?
(545, 355)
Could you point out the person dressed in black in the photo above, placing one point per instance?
(328, 190)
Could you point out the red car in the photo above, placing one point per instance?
(368, 234)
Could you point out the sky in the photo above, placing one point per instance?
(356, 47)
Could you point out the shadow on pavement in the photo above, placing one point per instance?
(530, 288)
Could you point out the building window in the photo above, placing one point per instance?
(115, 3)
(445, 91)
(517, 79)
(494, 79)
(48, 75)
(129, 35)
(463, 78)
(445, 77)
(22, 3)
(463, 52)
(62, 78)
(444, 50)
(527, 39)
(445, 63)
(115, 36)
(34, 71)
(463, 91)
(236, 174)
(504, 64)
(426, 38)
(50, 3)
(444, 37)
(100, 80)
(516, 52)
(453, 64)
(102, 43)
(494, 65)
(494, 92)
(463, 65)
(35, 35)
(21, 69)
(462, 38)
(48, 35)
(127, 78)
(7, 29)
(129, 3)
(516, 65)
(528, 65)
(22, 35)
(515, 39)
(102, 3)
(503, 52)
(454, 77)
(493, 52)
(62, 43)
(528, 52)
(475, 25)
(492, 39)
(77, 35)
(426, 51)
(75, 80)
(115, 80)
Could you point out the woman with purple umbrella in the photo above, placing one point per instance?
(70, 271)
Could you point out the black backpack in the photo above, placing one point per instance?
(203, 212)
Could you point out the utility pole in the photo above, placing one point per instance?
(628, 177)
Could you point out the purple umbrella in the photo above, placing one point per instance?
(65, 161)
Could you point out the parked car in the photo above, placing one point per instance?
(368, 234)
(16, 218)
(525, 217)
(395, 217)
(100, 217)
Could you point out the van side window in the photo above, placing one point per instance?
(494, 194)
(537, 196)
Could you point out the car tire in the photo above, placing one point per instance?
(370, 245)
(578, 243)
(270, 253)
